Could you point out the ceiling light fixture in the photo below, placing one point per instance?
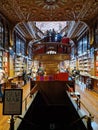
(50, 5)
(50, 2)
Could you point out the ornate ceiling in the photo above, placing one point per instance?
(41, 10)
(21, 11)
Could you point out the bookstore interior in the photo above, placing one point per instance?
(21, 47)
(49, 40)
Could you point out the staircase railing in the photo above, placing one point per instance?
(88, 117)
(25, 105)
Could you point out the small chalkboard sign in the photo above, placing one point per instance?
(12, 102)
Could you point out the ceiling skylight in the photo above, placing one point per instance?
(57, 26)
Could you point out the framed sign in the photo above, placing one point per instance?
(12, 102)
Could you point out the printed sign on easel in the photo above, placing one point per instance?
(12, 102)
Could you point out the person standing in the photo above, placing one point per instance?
(33, 74)
(89, 83)
(74, 72)
(24, 76)
(2, 77)
(59, 37)
(53, 33)
(47, 36)
(65, 40)
(40, 71)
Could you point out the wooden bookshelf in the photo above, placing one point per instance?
(84, 64)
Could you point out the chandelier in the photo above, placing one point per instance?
(50, 4)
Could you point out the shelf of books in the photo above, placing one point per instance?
(84, 64)
(5, 62)
(19, 63)
(73, 63)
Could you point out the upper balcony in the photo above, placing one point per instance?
(51, 48)
(51, 54)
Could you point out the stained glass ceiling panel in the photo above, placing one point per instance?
(57, 26)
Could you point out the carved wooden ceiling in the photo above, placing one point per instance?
(22, 11)
(41, 10)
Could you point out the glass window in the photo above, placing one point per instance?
(92, 52)
(72, 52)
(30, 52)
(6, 40)
(1, 33)
(17, 45)
(80, 51)
(20, 45)
(44, 26)
(88, 42)
(96, 32)
(85, 43)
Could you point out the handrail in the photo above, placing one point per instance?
(28, 95)
(80, 101)
(89, 127)
(52, 43)
(26, 103)
(43, 47)
(89, 117)
(29, 92)
(35, 42)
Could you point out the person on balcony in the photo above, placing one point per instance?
(47, 36)
(65, 42)
(53, 34)
(58, 37)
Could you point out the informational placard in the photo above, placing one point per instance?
(12, 102)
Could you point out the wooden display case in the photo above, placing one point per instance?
(94, 83)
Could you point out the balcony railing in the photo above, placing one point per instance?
(46, 47)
